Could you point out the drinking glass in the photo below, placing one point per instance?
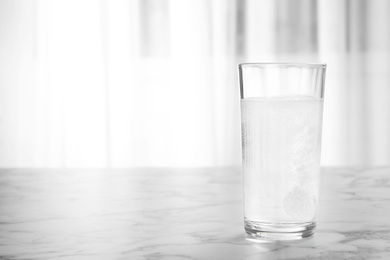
(281, 123)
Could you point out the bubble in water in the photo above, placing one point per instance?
(299, 205)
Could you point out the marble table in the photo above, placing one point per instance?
(179, 214)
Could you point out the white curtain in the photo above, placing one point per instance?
(118, 83)
(153, 83)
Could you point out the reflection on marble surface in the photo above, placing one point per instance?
(179, 214)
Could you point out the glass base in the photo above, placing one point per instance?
(279, 231)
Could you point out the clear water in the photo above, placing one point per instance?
(281, 152)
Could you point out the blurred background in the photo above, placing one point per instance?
(153, 83)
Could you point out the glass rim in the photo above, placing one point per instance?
(282, 64)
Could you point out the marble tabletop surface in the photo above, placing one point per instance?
(179, 214)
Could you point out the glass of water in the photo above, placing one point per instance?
(281, 122)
